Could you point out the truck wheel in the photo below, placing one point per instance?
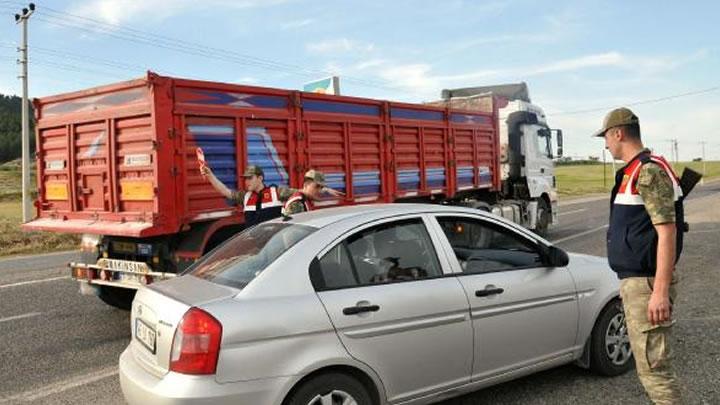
(331, 388)
(117, 297)
(543, 218)
(610, 352)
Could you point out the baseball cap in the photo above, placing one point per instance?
(616, 118)
(315, 176)
(253, 170)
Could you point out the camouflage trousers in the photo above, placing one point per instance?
(650, 343)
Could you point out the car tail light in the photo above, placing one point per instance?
(196, 343)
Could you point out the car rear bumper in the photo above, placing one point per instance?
(141, 387)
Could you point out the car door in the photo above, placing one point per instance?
(523, 313)
(395, 309)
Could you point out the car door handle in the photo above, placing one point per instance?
(489, 291)
(360, 308)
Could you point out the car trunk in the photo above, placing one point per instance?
(158, 309)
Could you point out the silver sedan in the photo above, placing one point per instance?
(381, 304)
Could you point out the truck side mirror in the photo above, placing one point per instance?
(558, 135)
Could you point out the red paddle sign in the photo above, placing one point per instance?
(201, 159)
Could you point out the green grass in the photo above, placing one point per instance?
(12, 238)
(15, 241)
(588, 179)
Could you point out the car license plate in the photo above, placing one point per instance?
(145, 334)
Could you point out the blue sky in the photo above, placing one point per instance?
(575, 55)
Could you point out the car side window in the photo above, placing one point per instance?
(482, 247)
(394, 252)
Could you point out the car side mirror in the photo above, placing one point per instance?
(557, 257)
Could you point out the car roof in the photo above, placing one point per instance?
(326, 216)
(369, 212)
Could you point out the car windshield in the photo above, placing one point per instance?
(238, 261)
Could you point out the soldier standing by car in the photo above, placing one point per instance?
(644, 243)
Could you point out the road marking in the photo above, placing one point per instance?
(577, 235)
(705, 231)
(572, 212)
(62, 386)
(44, 280)
(32, 256)
(23, 316)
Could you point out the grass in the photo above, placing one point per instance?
(15, 241)
(588, 179)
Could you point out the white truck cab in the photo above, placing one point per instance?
(529, 191)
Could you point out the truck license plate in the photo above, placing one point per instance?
(145, 334)
(123, 265)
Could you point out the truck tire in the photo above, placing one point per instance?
(117, 297)
(543, 218)
(610, 352)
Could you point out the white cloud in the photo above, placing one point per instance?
(340, 45)
(582, 62)
(297, 24)
(371, 63)
(122, 11)
(247, 80)
(415, 78)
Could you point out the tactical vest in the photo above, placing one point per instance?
(262, 206)
(631, 237)
(298, 196)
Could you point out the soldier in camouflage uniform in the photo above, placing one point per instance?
(643, 248)
(260, 202)
(313, 187)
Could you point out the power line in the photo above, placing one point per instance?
(649, 101)
(146, 38)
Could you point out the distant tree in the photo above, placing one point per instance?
(699, 159)
(594, 158)
(11, 127)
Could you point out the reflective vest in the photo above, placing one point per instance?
(631, 237)
(298, 196)
(262, 206)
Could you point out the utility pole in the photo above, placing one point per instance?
(23, 20)
(673, 150)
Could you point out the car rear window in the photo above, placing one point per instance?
(239, 260)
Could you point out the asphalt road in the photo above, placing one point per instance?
(58, 347)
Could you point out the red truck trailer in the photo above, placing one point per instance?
(117, 164)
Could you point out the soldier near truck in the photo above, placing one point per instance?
(262, 203)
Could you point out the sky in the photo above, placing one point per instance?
(579, 58)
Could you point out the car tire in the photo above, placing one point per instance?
(336, 387)
(117, 297)
(610, 352)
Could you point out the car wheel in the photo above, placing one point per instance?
(610, 352)
(117, 297)
(331, 389)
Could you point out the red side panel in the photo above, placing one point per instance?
(120, 159)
